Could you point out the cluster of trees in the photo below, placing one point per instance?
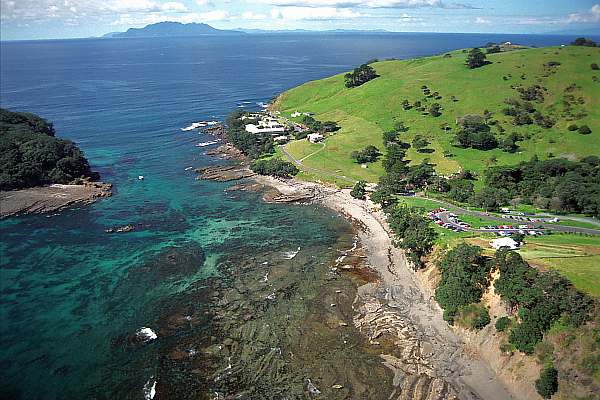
(412, 231)
(556, 184)
(367, 155)
(524, 113)
(494, 49)
(253, 145)
(465, 276)
(474, 132)
(476, 59)
(360, 75)
(540, 298)
(274, 167)
(584, 42)
(30, 154)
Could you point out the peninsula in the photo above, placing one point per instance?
(40, 172)
(445, 154)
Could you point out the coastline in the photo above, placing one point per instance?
(398, 307)
(52, 198)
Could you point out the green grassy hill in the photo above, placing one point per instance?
(365, 112)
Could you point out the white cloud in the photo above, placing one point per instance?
(482, 21)
(593, 15)
(313, 13)
(137, 20)
(205, 3)
(146, 6)
(364, 3)
(250, 16)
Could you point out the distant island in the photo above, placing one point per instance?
(171, 29)
(32, 158)
(178, 29)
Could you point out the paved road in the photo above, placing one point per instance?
(450, 206)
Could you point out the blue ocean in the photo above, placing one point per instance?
(73, 296)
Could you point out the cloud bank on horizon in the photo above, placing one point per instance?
(38, 19)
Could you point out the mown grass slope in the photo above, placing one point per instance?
(365, 112)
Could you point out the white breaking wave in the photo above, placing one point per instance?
(291, 254)
(204, 144)
(150, 389)
(146, 334)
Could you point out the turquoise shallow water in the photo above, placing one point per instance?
(70, 294)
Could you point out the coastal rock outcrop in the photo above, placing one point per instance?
(222, 173)
(53, 198)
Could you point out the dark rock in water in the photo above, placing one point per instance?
(174, 262)
(121, 229)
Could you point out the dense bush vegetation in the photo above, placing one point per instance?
(274, 167)
(465, 275)
(253, 145)
(412, 232)
(547, 384)
(502, 323)
(31, 156)
(556, 184)
(359, 190)
(360, 76)
(541, 298)
(367, 155)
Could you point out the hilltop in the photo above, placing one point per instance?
(569, 94)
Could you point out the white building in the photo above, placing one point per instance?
(504, 242)
(315, 137)
(281, 139)
(266, 125)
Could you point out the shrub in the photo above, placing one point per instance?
(434, 110)
(366, 155)
(482, 318)
(595, 67)
(573, 127)
(502, 323)
(547, 384)
(275, 167)
(585, 130)
(359, 190)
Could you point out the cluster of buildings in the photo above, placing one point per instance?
(269, 123)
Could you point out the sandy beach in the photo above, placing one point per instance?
(433, 362)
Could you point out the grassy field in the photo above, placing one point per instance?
(366, 111)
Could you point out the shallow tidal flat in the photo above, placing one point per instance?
(272, 325)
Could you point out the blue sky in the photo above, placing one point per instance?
(45, 19)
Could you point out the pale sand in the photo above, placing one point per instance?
(398, 303)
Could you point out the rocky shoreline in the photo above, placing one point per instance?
(428, 359)
(53, 198)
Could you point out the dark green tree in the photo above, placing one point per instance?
(547, 384)
(476, 59)
(359, 190)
